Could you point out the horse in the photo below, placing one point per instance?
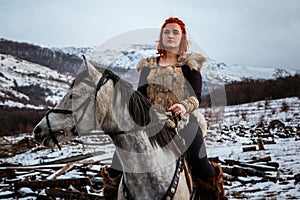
(150, 152)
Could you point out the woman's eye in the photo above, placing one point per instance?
(167, 32)
(175, 32)
(74, 96)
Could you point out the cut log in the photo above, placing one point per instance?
(8, 173)
(260, 144)
(251, 148)
(269, 142)
(273, 164)
(263, 159)
(254, 166)
(241, 171)
(64, 183)
(297, 178)
(57, 193)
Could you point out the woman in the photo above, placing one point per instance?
(172, 82)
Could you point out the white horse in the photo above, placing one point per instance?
(149, 151)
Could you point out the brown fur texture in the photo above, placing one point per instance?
(190, 103)
(193, 60)
(212, 188)
(110, 185)
(166, 86)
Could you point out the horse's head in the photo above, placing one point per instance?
(76, 112)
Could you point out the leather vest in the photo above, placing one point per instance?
(166, 85)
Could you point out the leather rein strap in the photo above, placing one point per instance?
(173, 185)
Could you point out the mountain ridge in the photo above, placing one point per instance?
(25, 69)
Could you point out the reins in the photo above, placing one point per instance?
(108, 75)
(173, 185)
(52, 133)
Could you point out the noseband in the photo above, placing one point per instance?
(106, 75)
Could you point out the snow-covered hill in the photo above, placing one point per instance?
(214, 72)
(29, 85)
(23, 82)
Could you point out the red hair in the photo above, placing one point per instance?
(183, 43)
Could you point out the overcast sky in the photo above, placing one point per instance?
(262, 33)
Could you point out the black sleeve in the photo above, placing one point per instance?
(194, 78)
(143, 83)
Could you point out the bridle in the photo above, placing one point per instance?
(62, 131)
(106, 75)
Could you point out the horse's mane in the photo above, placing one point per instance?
(141, 113)
(139, 108)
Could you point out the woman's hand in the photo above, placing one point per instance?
(178, 109)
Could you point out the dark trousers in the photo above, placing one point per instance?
(196, 150)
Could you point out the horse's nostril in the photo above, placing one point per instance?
(37, 130)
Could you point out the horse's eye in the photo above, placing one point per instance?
(74, 96)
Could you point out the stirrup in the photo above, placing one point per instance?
(110, 185)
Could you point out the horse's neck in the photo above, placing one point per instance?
(149, 185)
(147, 170)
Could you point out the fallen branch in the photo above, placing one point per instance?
(240, 171)
(63, 170)
(251, 148)
(76, 158)
(264, 159)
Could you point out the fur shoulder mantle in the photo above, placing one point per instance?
(193, 60)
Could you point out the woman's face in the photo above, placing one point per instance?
(171, 37)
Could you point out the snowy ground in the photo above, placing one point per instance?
(237, 128)
(244, 120)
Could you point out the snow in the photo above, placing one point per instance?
(216, 72)
(16, 72)
(285, 151)
(21, 105)
(226, 145)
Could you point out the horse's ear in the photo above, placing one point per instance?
(92, 71)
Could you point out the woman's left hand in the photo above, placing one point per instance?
(178, 109)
